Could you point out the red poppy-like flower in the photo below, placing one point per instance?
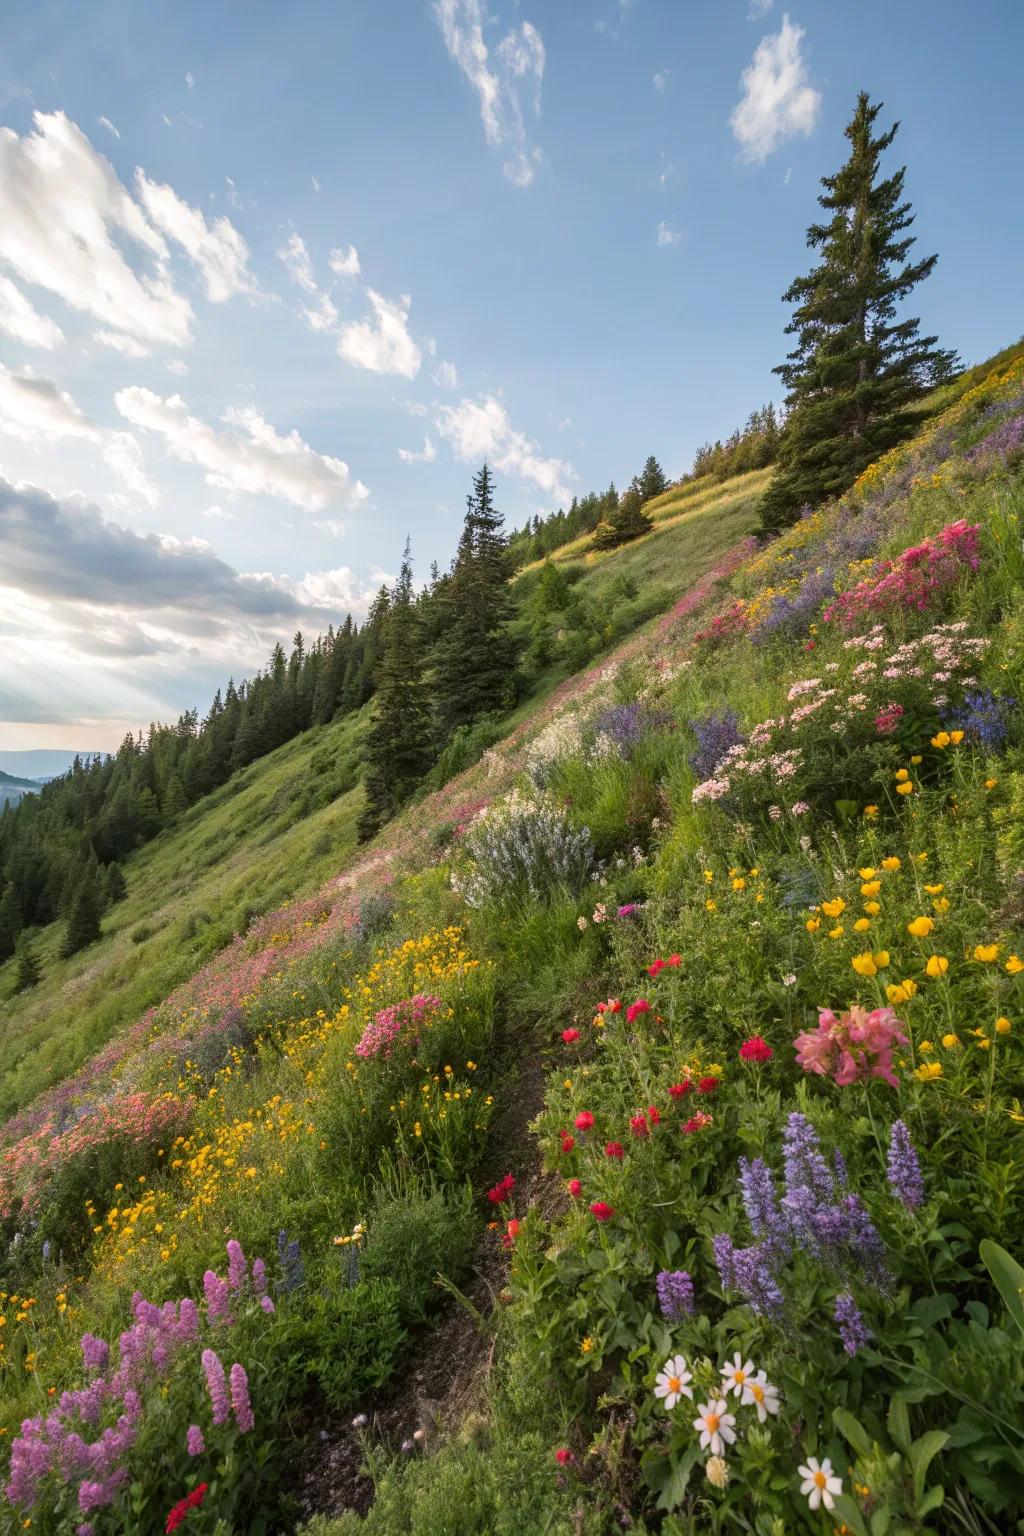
(756, 1049)
(575, 1188)
(570, 1036)
(655, 967)
(636, 1009)
(679, 1090)
(568, 1142)
(654, 1114)
(708, 1085)
(584, 1120)
(510, 1233)
(638, 1125)
(674, 961)
(614, 1149)
(181, 1509)
(601, 1211)
(696, 1122)
(563, 1457)
(501, 1190)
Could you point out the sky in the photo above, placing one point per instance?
(274, 280)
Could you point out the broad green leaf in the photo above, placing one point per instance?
(852, 1430)
(899, 1424)
(1008, 1277)
(922, 1453)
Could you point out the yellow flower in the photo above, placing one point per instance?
(873, 907)
(895, 994)
(941, 740)
(916, 759)
(739, 884)
(871, 811)
(921, 927)
(708, 876)
(836, 932)
(711, 906)
(862, 925)
(871, 887)
(892, 863)
(1003, 1026)
(986, 953)
(937, 965)
(935, 890)
(586, 1345)
(951, 1041)
(991, 783)
(813, 924)
(940, 904)
(834, 908)
(867, 873)
(902, 775)
(905, 789)
(928, 1071)
(956, 737)
(926, 1047)
(1014, 965)
(869, 964)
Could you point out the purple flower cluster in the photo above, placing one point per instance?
(983, 718)
(1006, 442)
(715, 734)
(853, 1330)
(675, 1294)
(626, 725)
(904, 1169)
(289, 1257)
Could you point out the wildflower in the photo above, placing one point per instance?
(567, 1142)
(638, 1126)
(820, 1483)
(906, 788)
(789, 980)
(708, 1085)
(636, 1009)
(601, 1211)
(679, 1090)
(1003, 1026)
(1014, 965)
(656, 967)
(510, 1233)
(756, 1049)
(986, 953)
(696, 1122)
(951, 1041)
(675, 1293)
(575, 1188)
(654, 1114)
(216, 1385)
(862, 925)
(935, 890)
(586, 1345)
(872, 908)
(892, 863)
(715, 1425)
(501, 1191)
(563, 1456)
(759, 1393)
(570, 1036)
(937, 965)
(360, 1421)
(584, 1120)
(194, 1440)
(673, 1382)
(869, 964)
(717, 1472)
(928, 1071)
(871, 811)
(921, 927)
(904, 1170)
(181, 1509)
(813, 924)
(614, 1149)
(834, 908)
(736, 1375)
(853, 1330)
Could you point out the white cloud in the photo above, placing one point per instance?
(660, 81)
(177, 365)
(249, 457)
(117, 341)
(481, 429)
(383, 344)
(789, 172)
(667, 235)
(22, 321)
(331, 525)
(296, 258)
(565, 423)
(446, 376)
(519, 66)
(427, 456)
(778, 99)
(105, 122)
(758, 8)
(217, 514)
(667, 173)
(344, 263)
(322, 316)
(316, 184)
(190, 78)
(122, 452)
(337, 591)
(66, 225)
(217, 249)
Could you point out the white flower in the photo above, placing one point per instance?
(819, 1483)
(790, 980)
(717, 1472)
(716, 1426)
(673, 1382)
(764, 1397)
(736, 1376)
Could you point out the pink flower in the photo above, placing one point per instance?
(756, 1049)
(638, 1125)
(563, 1457)
(853, 1046)
(680, 1090)
(696, 1122)
(602, 1211)
(575, 1188)
(614, 1149)
(584, 1120)
(655, 967)
(708, 1085)
(570, 1036)
(568, 1142)
(636, 1009)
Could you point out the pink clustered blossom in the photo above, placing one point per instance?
(914, 579)
(406, 1018)
(853, 1046)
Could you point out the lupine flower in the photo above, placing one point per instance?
(240, 1403)
(675, 1293)
(853, 1330)
(904, 1169)
(218, 1293)
(238, 1268)
(673, 1382)
(194, 1440)
(216, 1385)
(820, 1483)
(259, 1277)
(761, 1202)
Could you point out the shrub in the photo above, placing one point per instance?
(525, 848)
(413, 1237)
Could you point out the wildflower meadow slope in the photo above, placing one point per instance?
(734, 919)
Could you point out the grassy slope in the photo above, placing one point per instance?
(259, 841)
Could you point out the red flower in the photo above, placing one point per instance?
(708, 1085)
(600, 1008)
(510, 1233)
(679, 1090)
(601, 1211)
(575, 1188)
(654, 1114)
(635, 1009)
(756, 1049)
(656, 966)
(674, 961)
(638, 1125)
(584, 1120)
(614, 1149)
(570, 1036)
(696, 1122)
(501, 1190)
(614, 1005)
(563, 1457)
(568, 1142)
(181, 1509)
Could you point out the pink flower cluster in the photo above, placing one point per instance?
(915, 578)
(853, 1046)
(406, 1018)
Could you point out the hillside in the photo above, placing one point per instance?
(638, 1154)
(12, 788)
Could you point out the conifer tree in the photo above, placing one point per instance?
(628, 521)
(27, 971)
(115, 887)
(83, 924)
(856, 367)
(652, 481)
(10, 923)
(398, 742)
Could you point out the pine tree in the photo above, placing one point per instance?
(28, 970)
(652, 481)
(115, 887)
(83, 924)
(398, 742)
(10, 923)
(628, 521)
(855, 368)
(174, 799)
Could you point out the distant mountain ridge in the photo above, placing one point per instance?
(38, 764)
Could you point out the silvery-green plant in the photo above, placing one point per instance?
(525, 847)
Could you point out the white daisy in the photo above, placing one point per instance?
(736, 1376)
(673, 1382)
(716, 1426)
(820, 1483)
(764, 1397)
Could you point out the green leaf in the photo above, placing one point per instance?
(899, 1423)
(933, 1499)
(932, 1309)
(922, 1453)
(850, 1514)
(1008, 1277)
(881, 1521)
(852, 1430)
(846, 809)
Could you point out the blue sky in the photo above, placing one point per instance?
(274, 279)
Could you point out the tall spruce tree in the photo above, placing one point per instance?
(856, 367)
(398, 750)
(651, 481)
(27, 970)
(476, 656)
(83, 924)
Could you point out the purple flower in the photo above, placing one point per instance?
(755, 1280)
(267, 1305)
(675, 1293)
(218, 1293)
(244, 1417)
(853, 1330)
(194, 1440)
(259, 1277)
(715, 734)
(722, 1247)
(95, 1352)
(238, 1269)
(628, 910)
(904, 1170)
(803, 1164)
(216, 1385)
(760, 1202)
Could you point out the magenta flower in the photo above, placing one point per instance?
(194, 1440)
(244, 1416)
(851, 1047)
(216, 1385)
(238, 1269)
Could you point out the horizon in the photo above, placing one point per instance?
(244, 353)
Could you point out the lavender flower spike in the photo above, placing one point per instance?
(675, 1294)
(244, 1417)
(194, 1440)
(904, 1170)
(853, 1330)
(216, 1386)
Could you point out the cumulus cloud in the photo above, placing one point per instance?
(217, 250)
(481, 429)
(667, 235)
(345, 263)
(382, 344)
(517, 70)
(446, 375)
(177, 365)
(426, 456)
(20, 320)
(117, 341)
(250, 456)
(778, 99)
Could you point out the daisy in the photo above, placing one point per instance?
(819, 1483)
(764, 1397)
(715, 1426)
(736, 1376)
(673, 1382)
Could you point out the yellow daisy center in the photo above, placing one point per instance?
(739, 1377)
(819, 1479)
(674, 1383)
(712, 1422)
(758, 1393)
